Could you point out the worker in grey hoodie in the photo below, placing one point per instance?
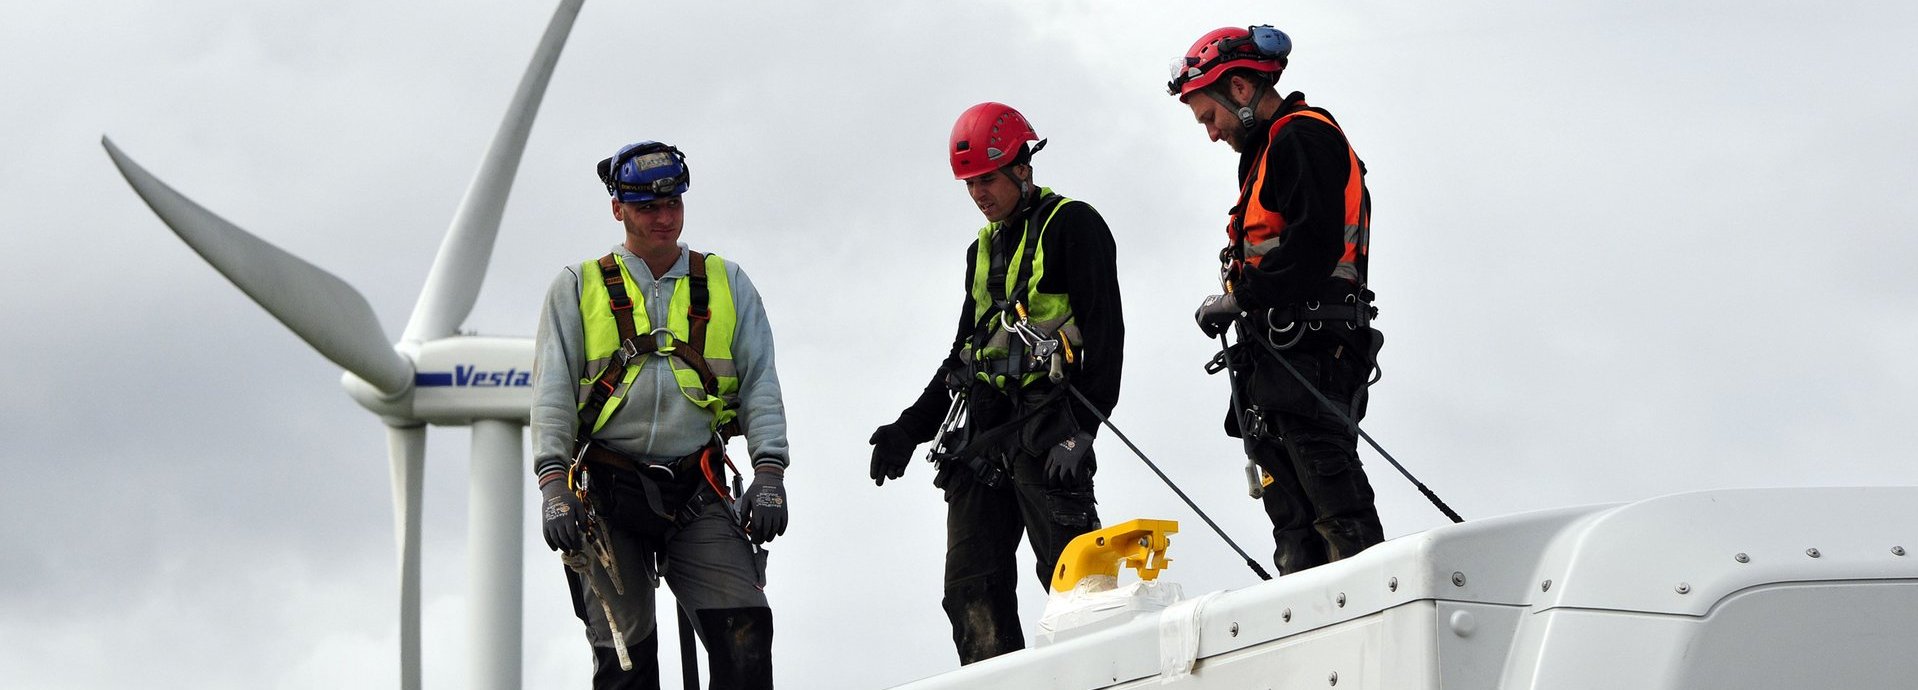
(648, 359)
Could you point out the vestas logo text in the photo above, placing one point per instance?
(467, 376)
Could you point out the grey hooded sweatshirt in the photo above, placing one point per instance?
(655, 422)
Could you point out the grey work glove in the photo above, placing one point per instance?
(1069, 462)
(559, 515)
(891, 453)
(1216, 314)
(765, 505)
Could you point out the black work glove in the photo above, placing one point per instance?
(765, 505)
(891, 452)
(559, 515)
(1068, 463)
(1216, 313)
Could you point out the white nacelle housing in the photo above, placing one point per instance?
(1762, 588)
(463, 378)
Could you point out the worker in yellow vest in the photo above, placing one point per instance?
(648, 359)
(1041, 317)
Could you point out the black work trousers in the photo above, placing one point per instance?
(983, 526)
(1319, 500)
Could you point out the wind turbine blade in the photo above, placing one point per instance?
(454, 282)
(319, 307)
(406, 447)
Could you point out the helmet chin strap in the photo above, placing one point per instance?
(1025, 187)
(1247, 113)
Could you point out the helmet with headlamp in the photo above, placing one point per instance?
(644, 172)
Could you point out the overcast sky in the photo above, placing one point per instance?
(1622, 249)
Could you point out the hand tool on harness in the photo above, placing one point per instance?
(1347, 419)
(1254, 565)
(1251, 423)
(597, 543)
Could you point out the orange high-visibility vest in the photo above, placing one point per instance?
(1255, 229)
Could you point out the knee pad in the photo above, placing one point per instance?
(739, 646)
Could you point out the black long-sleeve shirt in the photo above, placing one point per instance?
(1081, 263)
(1306, 169)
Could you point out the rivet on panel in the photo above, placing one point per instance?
(1458, 579)
(1334, 679)
(1235, 629)
(1545, 586)
(1684, 588)
(1811, 552)
(1287, 615)
(1898, 551)
(1742, 558)
(1341, 600)
(1393, 584)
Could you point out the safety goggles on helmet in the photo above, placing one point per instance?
(645, 171)
(1262, 48)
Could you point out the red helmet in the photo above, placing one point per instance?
(987, 137)
(1257, 48)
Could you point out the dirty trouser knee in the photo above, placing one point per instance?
(645, 674)
(1344, 513)
(739, 647)
(982, 540)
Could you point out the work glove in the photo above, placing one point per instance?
(559, 515)
(891, 452)
(765, 504)
(1216, 313)
(1069, 463)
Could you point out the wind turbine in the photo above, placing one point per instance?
(431, 376)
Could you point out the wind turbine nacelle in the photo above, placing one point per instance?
(463, 378)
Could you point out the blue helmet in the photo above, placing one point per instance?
(645, 171)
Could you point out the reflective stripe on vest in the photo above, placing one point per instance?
(1047, 313)
(602, 337)
(1261, 227)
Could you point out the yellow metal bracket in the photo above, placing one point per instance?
(1137, 544)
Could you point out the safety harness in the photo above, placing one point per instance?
(1285, 326)
(632, 346)
(1005, 351)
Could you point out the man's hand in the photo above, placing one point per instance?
(766, 504)
(1069, 462)
(559, 514)
(891, 452)
(1216, 314)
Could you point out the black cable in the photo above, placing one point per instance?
(1343, 417)
(1168, 482)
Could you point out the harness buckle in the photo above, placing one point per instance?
(627, 352)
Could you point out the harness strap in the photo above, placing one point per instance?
(632, 344)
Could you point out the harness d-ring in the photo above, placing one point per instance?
(663, 347)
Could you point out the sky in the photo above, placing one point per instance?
(1622, 250)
